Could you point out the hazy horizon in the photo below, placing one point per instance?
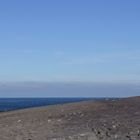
(68, 89)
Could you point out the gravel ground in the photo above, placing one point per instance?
(90, 120)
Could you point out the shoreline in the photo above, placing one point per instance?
(5, 108)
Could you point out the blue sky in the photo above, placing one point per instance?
(66, 41)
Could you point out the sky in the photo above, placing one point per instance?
(69, 41)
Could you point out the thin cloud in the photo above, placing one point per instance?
(83, 59)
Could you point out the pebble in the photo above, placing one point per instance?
(82, 115)
(19, 121)
(59, 120)
(114, 126)
(49, 121)
(116, 136)
(82, 135)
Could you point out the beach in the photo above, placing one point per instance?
(86, 120)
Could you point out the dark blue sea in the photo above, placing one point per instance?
(8, 104)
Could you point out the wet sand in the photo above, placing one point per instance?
(89, 120)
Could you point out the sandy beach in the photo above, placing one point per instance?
(88, 120)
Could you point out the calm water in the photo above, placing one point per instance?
(8, 104)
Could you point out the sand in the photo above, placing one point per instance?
(89, 120)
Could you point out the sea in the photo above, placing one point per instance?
(9, 104)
